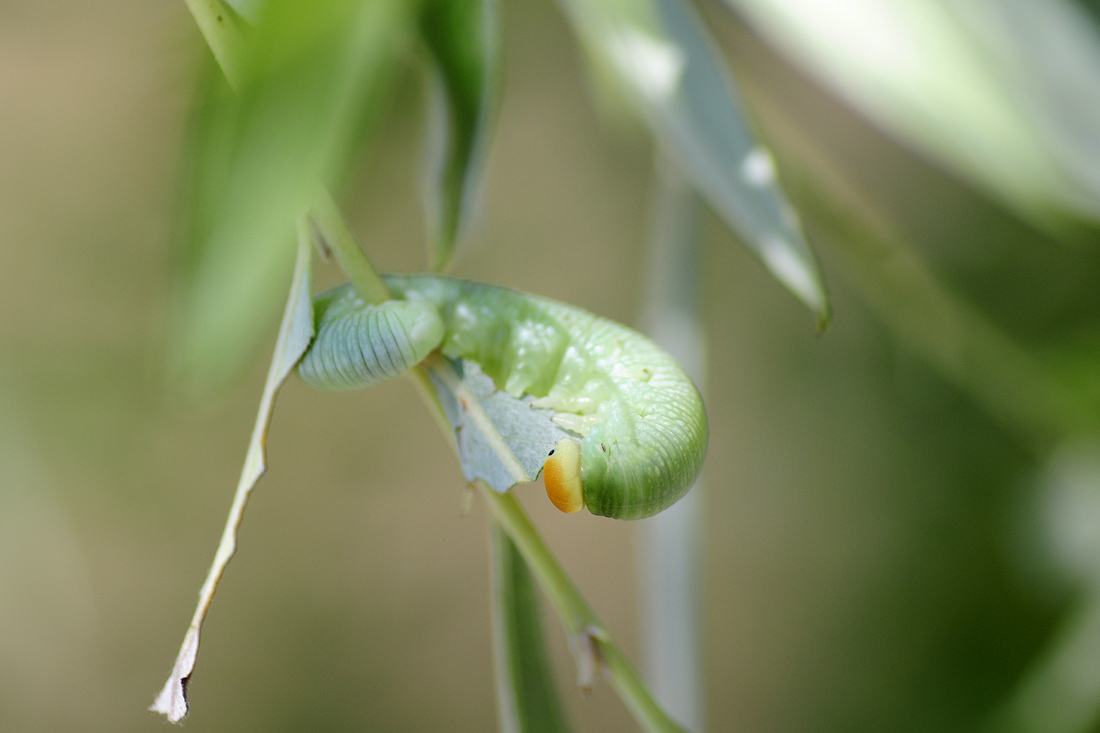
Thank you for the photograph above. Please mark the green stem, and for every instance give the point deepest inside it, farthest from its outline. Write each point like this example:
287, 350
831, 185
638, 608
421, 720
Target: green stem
329, 223
577, 616
419, 376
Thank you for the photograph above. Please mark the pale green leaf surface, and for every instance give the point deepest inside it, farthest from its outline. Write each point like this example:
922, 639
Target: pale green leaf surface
528, 700
295, 334
664, 59
501, 439
1002, 92
463, 44
1048, 56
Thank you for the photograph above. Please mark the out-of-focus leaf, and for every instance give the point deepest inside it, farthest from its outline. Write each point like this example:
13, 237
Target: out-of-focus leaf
1004, 92
501, 439
1061, 694
222, 26
247, 9
1061, 536
884, 269
527, 699
670, 544
310, 74
1048, 56
462, 38
668, 66
295, 333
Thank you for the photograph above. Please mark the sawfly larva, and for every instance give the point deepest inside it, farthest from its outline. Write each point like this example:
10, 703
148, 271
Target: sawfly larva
638, 424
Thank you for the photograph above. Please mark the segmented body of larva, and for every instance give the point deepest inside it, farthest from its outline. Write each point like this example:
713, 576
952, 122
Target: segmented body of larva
636, 416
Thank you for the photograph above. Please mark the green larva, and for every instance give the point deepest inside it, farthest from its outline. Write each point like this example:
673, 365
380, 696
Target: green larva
638, 419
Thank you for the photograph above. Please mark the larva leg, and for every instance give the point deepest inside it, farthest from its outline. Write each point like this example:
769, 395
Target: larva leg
562, 474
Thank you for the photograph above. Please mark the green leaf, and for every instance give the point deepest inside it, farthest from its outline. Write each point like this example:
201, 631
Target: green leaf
295, 334
310, 74
668, 65
884, 269
527, 697
1002, 92
501, 439
462, 39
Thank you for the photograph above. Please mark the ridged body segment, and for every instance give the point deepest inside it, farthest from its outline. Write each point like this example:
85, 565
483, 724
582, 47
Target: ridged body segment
360, 345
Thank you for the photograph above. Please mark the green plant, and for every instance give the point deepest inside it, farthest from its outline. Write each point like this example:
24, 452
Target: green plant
305, 79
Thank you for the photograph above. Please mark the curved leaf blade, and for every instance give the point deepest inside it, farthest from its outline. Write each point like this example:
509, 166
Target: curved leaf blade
462, 40
1001, 92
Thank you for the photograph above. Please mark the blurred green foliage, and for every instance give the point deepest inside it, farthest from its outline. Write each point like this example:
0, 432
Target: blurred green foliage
865, 569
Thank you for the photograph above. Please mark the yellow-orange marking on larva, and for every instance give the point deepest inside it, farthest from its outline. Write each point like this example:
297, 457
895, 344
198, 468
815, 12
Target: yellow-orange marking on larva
562, 474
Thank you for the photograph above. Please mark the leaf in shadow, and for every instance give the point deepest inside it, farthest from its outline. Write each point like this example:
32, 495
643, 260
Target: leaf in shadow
462, 40
295, 334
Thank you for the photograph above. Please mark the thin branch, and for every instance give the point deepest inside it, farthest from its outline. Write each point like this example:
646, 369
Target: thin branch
329, 224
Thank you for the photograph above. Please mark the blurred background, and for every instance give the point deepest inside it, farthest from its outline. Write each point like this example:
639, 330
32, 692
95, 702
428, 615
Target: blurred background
901, 512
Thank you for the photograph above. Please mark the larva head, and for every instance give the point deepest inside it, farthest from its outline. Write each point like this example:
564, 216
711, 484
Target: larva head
562, 475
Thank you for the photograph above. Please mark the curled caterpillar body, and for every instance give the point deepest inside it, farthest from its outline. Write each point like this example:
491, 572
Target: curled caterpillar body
639, 424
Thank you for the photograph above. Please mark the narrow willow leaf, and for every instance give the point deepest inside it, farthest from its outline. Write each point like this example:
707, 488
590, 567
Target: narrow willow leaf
311, 74
462, 39
664, 59
295, 334
526, 695
502, 440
